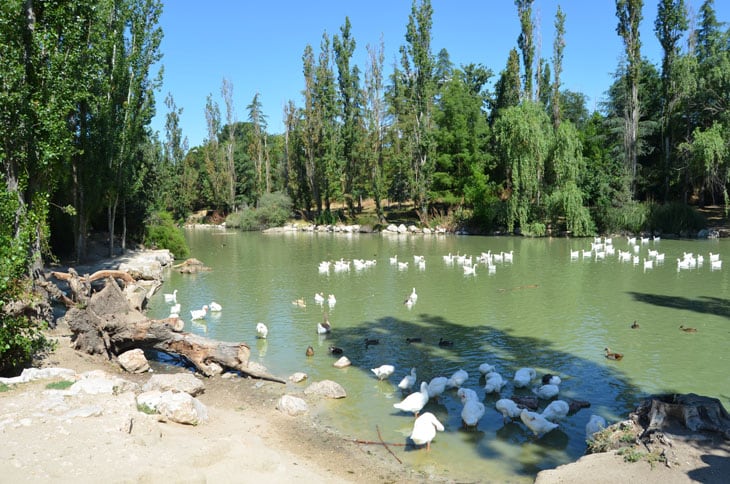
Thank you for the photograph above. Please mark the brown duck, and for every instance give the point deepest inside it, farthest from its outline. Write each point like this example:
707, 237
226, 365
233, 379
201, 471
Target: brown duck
686, 329
613, 356
635, 325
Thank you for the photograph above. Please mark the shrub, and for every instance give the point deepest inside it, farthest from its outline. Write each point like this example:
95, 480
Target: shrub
21, 337
675, 218
273, 211
632, 217
162, 233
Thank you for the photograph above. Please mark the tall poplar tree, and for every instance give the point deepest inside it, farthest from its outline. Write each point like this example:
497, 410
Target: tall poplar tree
526, 43
416, 115
629, 17
558, 47
375, 112
671, 23
350, 110
258, 150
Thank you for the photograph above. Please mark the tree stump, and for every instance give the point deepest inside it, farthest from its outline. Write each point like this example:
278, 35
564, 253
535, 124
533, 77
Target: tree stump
107, 325
695, 412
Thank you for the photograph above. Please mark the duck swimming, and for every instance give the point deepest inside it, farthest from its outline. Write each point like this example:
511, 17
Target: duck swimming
635, 325
613, 356
445, 342
336, 350
686, 329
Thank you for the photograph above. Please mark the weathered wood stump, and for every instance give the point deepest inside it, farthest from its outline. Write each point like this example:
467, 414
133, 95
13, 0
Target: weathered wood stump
107, 325
695, 412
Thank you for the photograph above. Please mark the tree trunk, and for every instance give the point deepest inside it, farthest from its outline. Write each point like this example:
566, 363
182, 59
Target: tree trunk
107, 325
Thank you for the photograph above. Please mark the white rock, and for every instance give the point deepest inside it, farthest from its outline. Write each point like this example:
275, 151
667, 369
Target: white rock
182, 408
298, 377
179, 382
343, 362
134, 361
292, 405
326, 388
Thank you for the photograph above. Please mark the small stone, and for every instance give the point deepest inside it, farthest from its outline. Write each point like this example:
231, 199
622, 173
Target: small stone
298, 377
343, 362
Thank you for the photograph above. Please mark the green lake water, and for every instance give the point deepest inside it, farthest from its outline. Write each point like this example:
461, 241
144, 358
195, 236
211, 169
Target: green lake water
543, 310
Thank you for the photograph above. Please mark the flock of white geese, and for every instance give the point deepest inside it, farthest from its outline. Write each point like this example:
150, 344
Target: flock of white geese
545, 390
603, 248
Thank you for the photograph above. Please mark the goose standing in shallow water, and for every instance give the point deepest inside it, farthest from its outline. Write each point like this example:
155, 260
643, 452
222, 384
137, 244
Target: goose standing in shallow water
414, 402
557, 410
408, 381
424, 429
196, 314
472, 411
508, 408
537, 423
383, 371
594, 425
262, 331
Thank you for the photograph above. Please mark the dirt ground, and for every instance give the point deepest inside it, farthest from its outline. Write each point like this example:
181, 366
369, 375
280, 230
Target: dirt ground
244, 440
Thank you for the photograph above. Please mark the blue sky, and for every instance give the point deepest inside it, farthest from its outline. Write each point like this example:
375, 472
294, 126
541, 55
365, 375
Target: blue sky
258, 45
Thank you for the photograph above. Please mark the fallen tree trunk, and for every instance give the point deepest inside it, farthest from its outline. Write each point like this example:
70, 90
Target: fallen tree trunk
695, 412
108, 325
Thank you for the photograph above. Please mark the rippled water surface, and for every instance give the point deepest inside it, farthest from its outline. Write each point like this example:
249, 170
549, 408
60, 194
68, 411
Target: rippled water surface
543, 310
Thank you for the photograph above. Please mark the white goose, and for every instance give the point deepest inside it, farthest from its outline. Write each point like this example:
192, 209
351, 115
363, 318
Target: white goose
414, 402
508, 408
594, 425
465, 394
470, 270
383, 371
485, 368
215, 307
408, 381
472, 412
413, 297
546, 392
262, 331
537, 423
171, 297
495, 382
557, 410
196, 314
524, 376
319, 298
331, 301
457, 379
175, 310
437, 386
424, 429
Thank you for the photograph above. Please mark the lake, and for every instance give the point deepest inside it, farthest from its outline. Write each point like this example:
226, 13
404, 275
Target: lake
544, 309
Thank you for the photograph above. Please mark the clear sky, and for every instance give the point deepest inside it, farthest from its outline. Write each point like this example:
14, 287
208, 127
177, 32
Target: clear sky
258, 45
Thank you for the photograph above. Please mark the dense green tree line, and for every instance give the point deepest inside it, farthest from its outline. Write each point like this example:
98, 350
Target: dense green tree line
508, 151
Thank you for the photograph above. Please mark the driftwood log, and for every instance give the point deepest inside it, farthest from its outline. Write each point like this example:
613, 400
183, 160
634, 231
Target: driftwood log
695, 412
107, 325
80, 286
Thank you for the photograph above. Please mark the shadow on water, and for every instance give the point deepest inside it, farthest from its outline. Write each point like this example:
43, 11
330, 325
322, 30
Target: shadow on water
703, 305
604, 387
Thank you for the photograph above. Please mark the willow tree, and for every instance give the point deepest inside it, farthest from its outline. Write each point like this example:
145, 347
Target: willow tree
629, 17
523, 136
